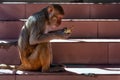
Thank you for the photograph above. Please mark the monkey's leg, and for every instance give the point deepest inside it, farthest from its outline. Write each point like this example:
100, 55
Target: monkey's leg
40, 58
45, 56
46, 59
30, 62
25, 65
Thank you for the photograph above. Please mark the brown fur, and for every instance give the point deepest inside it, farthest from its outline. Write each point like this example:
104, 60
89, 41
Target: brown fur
33, 44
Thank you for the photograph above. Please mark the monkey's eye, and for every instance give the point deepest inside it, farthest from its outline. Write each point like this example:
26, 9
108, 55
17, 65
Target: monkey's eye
59, 16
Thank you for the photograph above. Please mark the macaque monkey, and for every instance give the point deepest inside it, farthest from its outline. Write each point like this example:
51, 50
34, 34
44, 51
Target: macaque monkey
33, 43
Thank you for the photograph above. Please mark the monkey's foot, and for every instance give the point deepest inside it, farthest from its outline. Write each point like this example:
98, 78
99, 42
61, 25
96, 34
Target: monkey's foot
23, 68
57, 65
57, 68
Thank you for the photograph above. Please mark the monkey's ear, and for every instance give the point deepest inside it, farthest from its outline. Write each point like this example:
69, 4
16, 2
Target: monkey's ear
50, 9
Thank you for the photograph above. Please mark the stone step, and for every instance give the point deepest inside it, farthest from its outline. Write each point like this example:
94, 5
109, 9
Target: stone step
73, 51
82, 28
9, 11
97, 73
6, 1
74, 75
88, 1
86, 51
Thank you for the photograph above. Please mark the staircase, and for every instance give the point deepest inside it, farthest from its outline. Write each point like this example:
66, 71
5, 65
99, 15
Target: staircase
91, 53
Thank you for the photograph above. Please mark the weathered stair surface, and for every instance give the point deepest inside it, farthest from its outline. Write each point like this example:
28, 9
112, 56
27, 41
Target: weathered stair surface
87, 51
64, 77
71, 73
72, 10
91, 53
87, 1
10, 29
82, 51
38, 1
84, 29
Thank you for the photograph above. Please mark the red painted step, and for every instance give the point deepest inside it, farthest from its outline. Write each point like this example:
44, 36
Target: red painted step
7, 77
82, 28
12, 11
105, 11
89, 73
10, 29
72, 10
87, 51
74, 74
75, 51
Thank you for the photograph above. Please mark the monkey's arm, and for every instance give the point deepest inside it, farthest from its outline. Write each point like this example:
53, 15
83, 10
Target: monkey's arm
36, 38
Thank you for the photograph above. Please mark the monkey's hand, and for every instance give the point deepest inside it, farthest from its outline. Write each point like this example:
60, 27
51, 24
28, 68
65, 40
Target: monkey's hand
62, 33
67, 30
58, 31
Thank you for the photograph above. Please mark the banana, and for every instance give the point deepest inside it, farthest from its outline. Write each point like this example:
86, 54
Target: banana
68, 31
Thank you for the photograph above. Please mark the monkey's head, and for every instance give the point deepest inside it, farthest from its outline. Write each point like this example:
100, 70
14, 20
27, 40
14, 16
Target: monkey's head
55, 13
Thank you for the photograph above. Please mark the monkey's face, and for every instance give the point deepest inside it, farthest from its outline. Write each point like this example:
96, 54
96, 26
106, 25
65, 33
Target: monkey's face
55, 19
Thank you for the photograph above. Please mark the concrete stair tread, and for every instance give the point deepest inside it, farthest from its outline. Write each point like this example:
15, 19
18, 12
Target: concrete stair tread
72, 10
66, 19
73, 51
14, 2
7, 41
85, 69
74, 70
85, 40
90, 19
61, 76
81, 20
7, 71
